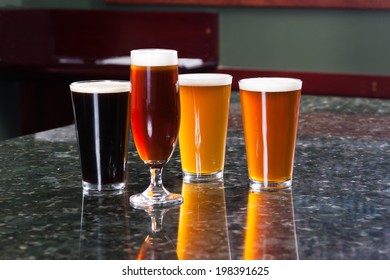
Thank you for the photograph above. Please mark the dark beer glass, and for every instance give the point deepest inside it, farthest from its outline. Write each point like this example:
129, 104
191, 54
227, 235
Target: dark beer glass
155, 118
101, 113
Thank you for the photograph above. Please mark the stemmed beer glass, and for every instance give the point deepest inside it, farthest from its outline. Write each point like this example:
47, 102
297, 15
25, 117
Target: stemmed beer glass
155, 119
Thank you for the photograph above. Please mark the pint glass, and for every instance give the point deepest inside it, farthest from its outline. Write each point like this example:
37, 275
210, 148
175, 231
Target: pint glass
204, 102
101, 113
270, 109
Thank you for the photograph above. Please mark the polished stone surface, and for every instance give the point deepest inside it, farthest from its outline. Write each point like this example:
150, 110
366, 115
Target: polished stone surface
339, 206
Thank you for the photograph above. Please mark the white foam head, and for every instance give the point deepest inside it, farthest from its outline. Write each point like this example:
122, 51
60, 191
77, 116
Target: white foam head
153, 57
270, 84
100, 86
205, 79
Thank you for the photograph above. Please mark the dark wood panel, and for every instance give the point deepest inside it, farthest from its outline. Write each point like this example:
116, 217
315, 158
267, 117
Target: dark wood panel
45, 104
45, 36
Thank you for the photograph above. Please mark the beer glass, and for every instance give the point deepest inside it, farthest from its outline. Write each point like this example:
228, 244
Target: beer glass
155, 119
204, 101
270, 109
101, 113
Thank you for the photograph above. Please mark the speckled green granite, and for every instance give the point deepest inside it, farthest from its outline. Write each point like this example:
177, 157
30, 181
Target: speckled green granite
341, 194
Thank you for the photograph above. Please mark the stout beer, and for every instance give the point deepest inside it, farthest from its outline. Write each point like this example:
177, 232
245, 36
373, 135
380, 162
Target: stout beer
101, 111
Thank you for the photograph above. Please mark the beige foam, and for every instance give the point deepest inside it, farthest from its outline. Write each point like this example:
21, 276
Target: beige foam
205, 79
153, 57
270, 84
100, 87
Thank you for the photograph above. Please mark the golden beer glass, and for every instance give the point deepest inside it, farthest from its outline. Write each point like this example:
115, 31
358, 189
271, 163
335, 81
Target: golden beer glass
204, 101
270, 108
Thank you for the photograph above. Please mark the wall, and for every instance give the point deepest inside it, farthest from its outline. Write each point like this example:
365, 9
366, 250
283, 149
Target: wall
341, 41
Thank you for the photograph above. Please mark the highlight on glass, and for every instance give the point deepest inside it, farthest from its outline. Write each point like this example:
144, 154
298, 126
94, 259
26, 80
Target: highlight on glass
270, 108
155, 119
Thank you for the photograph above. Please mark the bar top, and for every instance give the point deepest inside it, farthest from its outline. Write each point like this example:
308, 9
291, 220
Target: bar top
338, 208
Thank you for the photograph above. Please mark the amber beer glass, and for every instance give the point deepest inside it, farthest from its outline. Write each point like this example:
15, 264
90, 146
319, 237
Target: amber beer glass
204, 102
101, 113
270, 109
155, 118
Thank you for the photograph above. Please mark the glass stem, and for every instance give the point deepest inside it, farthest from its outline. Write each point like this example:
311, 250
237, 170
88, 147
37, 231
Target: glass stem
156, 177
156, 219
156, 190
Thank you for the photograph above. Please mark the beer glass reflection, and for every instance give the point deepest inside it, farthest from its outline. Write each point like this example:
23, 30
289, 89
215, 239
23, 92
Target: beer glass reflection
157, 245
104, 231
270, 116
203, 231
270, 226
155, 118
102, 125
204, 100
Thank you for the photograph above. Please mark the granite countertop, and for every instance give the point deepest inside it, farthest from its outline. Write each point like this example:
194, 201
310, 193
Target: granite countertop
338, 208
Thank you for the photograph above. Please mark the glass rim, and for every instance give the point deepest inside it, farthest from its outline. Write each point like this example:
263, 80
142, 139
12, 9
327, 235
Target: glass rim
153, 57
100, 86
205, 79
270, 84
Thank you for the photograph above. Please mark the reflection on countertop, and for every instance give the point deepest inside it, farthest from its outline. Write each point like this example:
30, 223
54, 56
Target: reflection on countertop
203, 229
270, 227
338, 207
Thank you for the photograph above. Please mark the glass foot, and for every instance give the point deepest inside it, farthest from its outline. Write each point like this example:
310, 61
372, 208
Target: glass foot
143, 201
202, 178
89, 187
156, 195
257, 186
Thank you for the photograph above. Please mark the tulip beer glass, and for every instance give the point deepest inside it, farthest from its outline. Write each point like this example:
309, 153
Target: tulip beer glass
270, 109
155, 118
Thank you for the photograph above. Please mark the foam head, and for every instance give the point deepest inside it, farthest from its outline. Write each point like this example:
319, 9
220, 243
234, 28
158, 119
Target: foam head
100, 86
205, 79
154, 57
270, 84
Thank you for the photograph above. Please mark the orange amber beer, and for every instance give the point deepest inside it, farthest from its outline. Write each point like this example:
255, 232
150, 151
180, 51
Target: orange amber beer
270, 109
204, 101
